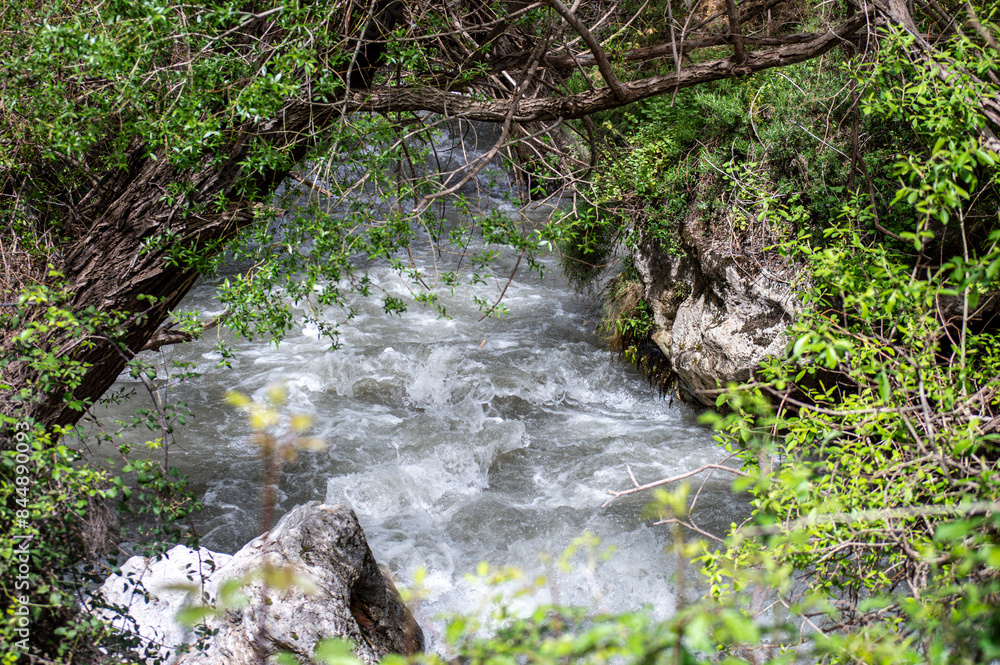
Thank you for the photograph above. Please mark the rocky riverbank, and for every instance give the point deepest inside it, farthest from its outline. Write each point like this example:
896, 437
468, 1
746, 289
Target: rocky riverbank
717, 313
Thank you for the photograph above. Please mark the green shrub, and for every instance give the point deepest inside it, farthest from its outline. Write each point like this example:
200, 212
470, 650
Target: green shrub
58, 508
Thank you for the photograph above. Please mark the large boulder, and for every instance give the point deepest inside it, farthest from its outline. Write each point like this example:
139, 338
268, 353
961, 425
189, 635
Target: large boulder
311, 577
717, 313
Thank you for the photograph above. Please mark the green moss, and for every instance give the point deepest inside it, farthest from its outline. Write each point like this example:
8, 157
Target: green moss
586, 244
627, 326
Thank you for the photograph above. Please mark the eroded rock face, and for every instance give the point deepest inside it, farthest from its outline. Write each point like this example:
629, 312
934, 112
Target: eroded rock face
717, 315
336, 590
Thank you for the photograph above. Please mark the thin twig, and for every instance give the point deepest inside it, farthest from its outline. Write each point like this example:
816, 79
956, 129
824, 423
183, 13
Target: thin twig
672, 479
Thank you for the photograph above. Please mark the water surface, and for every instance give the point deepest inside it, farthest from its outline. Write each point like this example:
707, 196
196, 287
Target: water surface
456, 441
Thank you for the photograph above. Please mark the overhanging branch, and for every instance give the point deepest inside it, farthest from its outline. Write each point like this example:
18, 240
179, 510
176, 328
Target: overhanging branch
456, 105
595, 48
686, 46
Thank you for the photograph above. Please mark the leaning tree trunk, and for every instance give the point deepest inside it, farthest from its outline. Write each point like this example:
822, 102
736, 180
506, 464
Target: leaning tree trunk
110, 268
109, 263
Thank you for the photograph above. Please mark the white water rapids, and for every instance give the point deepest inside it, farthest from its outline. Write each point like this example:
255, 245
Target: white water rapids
457, 442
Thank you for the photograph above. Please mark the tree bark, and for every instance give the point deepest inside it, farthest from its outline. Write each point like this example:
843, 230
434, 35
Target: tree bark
110, 265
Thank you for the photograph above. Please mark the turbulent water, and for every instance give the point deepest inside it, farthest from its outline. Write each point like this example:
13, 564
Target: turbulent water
457, 441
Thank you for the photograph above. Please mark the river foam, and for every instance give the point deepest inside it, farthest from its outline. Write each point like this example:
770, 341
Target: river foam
456, 441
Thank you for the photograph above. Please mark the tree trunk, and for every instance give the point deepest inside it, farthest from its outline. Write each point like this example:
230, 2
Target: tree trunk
110, 265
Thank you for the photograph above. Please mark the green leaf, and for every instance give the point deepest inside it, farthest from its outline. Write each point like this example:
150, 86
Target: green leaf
188, 616
336, 651
883, 387
951, 531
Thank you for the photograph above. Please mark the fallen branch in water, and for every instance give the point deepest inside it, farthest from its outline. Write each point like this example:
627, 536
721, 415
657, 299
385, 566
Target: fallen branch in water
666, 481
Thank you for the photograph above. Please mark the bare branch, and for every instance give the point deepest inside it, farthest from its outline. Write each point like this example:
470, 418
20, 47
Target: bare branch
666, 481
310, 184
734, 30
686, 46
602, 60
168, 334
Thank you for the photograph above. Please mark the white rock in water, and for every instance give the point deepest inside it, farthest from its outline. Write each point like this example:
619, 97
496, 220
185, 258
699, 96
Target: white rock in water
153, 590
342, 593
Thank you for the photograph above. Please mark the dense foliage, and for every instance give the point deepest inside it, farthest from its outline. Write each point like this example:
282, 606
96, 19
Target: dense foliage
872, 447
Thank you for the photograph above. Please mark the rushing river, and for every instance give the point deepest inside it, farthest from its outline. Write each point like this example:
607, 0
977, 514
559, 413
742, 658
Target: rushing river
456, 441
